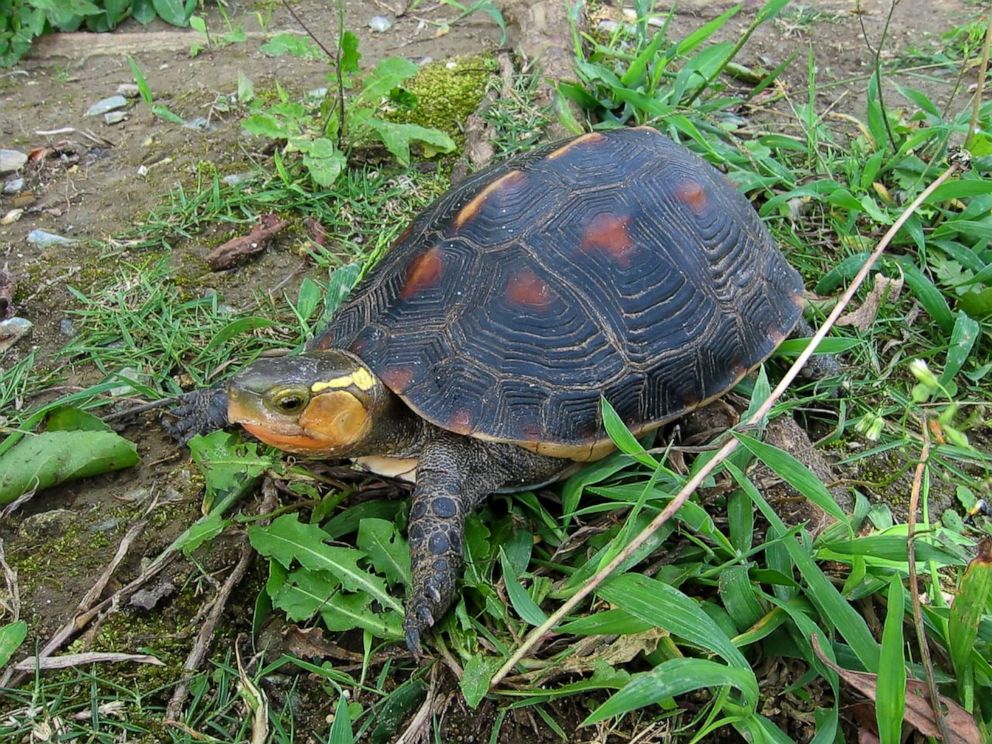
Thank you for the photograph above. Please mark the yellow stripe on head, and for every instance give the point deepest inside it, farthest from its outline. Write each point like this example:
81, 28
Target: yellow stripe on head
360, 378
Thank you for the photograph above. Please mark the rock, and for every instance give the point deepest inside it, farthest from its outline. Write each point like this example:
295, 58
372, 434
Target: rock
49, 524
380, 24
13, 330
11, 217
318, 93
107, 525
45, 239
235, 178
200, 124
66, 328
13, 186
11, 161
107, 104
114, 117
146, 599
128, 90
128, 374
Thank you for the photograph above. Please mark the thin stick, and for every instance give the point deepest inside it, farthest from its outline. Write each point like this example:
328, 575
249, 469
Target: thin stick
914, 588
977, 104
536, 635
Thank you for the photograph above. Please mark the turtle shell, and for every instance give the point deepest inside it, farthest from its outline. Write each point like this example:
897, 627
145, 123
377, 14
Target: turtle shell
615, 264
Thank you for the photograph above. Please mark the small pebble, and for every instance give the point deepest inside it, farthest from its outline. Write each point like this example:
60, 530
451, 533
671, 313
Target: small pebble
107, 104
45, 239
66, 328
11, 217
317, 93
607, 26
114, 117
128, 374
11, 161
13, 186
49, 524
235, 178
107, 525
200, 124
380, 24
128, 90
13, 330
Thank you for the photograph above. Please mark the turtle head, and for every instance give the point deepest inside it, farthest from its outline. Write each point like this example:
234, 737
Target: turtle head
321, 404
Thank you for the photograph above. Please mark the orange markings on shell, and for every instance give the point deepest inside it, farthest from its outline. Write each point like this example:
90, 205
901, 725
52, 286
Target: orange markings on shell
397, 378
692, 194
608, 233
423, 272
509, 182
460, 421
585, 138
528, 289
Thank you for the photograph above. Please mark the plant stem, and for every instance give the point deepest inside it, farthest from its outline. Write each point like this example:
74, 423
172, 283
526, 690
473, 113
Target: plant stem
977, 103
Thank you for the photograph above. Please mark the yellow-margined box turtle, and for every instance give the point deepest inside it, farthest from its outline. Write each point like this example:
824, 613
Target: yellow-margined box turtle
474, 356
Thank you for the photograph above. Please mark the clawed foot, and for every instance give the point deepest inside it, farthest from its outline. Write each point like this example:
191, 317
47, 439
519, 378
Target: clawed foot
430, 599
418, 620
197, 412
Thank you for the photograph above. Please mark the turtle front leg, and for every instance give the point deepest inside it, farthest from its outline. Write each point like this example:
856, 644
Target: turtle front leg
447, 490
454, 475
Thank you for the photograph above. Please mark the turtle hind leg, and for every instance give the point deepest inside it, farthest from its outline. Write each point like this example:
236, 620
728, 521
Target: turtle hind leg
819, 366
454, 475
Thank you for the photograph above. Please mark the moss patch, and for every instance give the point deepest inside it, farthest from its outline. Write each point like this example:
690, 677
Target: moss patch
448, 92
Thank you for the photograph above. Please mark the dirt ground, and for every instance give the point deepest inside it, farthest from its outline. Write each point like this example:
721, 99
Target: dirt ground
66, 535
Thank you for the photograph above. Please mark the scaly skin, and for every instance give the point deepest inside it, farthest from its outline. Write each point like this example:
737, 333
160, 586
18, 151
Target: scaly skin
455, 473
454, 476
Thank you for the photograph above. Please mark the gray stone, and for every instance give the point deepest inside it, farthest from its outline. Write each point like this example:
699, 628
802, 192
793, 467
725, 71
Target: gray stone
11, 161
200, 124
380, 24
107, 104
14, 186
235, 178
49, 524
45, 239
13, 330
107, 525
66, 328
114, 117
128, 90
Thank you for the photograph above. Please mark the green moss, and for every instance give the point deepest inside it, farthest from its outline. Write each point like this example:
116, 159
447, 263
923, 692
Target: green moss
447, 92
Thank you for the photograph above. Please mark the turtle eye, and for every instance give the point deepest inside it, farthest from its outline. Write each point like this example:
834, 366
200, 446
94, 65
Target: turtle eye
290, 401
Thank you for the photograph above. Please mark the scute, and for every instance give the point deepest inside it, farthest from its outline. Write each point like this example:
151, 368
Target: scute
614, 265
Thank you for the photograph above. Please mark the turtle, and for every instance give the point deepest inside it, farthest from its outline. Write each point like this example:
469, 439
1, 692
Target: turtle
475, 356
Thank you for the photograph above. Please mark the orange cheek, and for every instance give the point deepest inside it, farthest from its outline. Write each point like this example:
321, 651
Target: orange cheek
291, 443
338, 417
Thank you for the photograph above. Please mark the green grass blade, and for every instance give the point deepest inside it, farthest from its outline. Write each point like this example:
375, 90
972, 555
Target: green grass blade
829, 602
795, 474
666, 607
675, 677
522, 602
890, 703
970, 603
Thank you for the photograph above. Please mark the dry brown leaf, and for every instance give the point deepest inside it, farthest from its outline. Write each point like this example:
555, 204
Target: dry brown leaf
885, 290
7, 287
235, 250
918, 713
589, 651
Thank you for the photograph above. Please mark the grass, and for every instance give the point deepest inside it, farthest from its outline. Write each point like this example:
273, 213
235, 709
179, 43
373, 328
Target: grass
736, 614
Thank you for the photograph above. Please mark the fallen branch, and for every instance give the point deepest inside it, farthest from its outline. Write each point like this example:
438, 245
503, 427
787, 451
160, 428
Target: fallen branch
33, 663
537, 634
